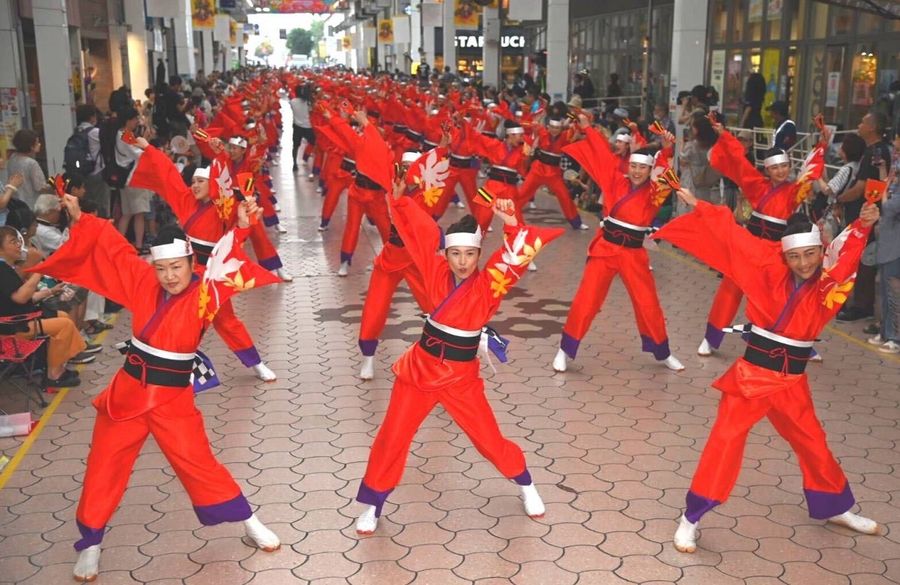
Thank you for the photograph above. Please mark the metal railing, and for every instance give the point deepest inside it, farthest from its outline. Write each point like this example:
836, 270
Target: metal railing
806, 141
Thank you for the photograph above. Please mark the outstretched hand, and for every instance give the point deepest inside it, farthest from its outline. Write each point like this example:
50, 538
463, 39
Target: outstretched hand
505, 209
869, 214
687, 197
247, 209
70, 202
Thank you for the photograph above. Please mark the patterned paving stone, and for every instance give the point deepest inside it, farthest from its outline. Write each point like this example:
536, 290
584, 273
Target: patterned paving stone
612, 445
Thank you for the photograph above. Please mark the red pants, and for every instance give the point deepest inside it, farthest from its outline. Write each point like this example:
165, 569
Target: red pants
466, 404
364, 202
336, 181
235, 335
499, 190
793, 415
382, 286
178, 429
468, 178
633, 266
557, 186
266, 254
725, 307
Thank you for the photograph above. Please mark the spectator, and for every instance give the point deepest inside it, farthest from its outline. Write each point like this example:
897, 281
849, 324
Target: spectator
613, 90
584, 86
120, 99
135, 202
48, 235
692, 102
88, 118
160, 73
887, 257
149, 103
10, 189
704, 180
661, 115
19, 296
873, 165
754, 95
785, 130
22, 161
850, 152
302, 127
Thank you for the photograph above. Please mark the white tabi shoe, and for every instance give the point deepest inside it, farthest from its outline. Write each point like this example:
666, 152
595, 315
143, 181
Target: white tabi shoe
534, 505
856, 523
584, 226
284, 275
816, 357
460, 204
560, 362
673, 364
263, 372
318, 189
88, 564
344, 270
532, 267
367, 522
532, 205
705, 349
277, 208
686, 536
280, 228
264, 538
367, 372
322, 228
310, 177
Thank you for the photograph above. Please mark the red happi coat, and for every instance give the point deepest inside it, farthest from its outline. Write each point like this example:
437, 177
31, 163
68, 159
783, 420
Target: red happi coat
98, 258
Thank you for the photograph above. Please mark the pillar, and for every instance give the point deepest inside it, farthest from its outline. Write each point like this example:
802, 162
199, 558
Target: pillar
51, 34
209, 58
449, 35
416, 52
136, 43
184, 41
688, 46
558, 49
491, 50
10, 75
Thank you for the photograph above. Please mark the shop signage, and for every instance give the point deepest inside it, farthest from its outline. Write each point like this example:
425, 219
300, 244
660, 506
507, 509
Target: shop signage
477, 41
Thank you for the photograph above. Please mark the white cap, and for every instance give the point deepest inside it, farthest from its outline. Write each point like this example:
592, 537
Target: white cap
464, 239
642, 159
410, 157
802, 240
776, 159
201, 173
175, 249
515, 130
238, 141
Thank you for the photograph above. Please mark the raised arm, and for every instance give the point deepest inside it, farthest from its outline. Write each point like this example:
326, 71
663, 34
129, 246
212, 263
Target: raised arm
156, 172
727, 157
842, 259
595, 157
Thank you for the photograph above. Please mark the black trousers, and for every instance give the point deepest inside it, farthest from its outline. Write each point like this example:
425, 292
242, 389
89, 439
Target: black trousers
299, 134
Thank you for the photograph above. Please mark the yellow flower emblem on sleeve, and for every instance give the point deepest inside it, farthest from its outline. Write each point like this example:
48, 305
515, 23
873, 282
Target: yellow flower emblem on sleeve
837, 294
224, 206
432, 195
500, 283
204, 299
238, 283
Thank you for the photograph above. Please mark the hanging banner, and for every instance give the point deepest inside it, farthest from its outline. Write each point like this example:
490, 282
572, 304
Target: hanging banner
401, 29
525, 10
223, 29
466, 14
203, 14
232, 32
346, 43
369, 36
432, 15
385, 31
717, 71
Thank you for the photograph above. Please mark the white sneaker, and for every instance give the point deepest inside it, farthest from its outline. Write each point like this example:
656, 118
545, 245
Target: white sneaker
310, 177
816, 357
367, 372
560, 362
280, 228
532, 267
673, 364
686, 536
584, 226
277, 208
284, 275
263, 372
264, 538
88, 564
856, 523
490, 228
367, 522
344, 270
705, 349
460, 204
532, 205
890, 347
323, 228
877, 340
318, 189
534, 505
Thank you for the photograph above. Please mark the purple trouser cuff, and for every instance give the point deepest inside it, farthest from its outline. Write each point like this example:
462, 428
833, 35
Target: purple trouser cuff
824, 505
273, 263
270, 220
370, 220
346, 257
697, 506
368, 346
234, 510
714, 336
367, 495
316, 170
569, 345
576, 222
523, 478
659, 350
249, 357
89, 536
325, 221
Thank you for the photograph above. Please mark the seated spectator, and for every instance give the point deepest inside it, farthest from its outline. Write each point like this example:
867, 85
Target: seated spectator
19, 296
22, 161
10, 189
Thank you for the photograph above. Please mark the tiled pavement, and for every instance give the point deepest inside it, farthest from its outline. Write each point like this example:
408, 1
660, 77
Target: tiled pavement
611, 444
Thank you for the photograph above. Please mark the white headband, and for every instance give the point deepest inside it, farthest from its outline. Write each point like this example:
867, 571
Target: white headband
410, 157
465, 239
515, 130
802, 240
776, 159
642, 159
554, 124
201, 173
250, 126
623, 137
238, 141
176, 249
434, 112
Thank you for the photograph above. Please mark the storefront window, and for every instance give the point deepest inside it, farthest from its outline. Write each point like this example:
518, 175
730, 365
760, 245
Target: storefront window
755, 10
869, 23
796, 14
816, 84
862, 93
841, 20
718, 21
775, 10
737, 21
733, 96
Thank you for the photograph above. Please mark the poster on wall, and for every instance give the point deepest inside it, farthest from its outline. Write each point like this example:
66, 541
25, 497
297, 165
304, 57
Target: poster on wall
833, 89
755, 11
203, 14
773, 9
385, 31
771, 60
10, 120
466, 14
717, 72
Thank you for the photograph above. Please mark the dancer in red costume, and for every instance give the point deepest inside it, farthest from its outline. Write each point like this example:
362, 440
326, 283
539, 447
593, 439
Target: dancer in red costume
443, 368
545, 171
773, 198
630, 204
152, 394
338, 166
792, 293
205, 223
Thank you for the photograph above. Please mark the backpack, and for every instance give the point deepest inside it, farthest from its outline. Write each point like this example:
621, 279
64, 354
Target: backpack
77, 153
